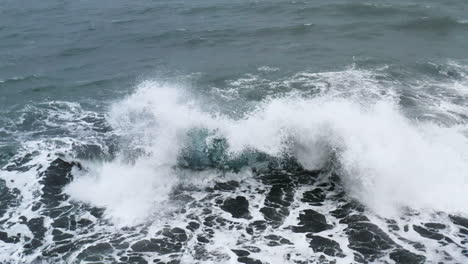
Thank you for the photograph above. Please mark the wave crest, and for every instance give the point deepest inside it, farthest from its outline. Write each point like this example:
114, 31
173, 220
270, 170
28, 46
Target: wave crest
385, 159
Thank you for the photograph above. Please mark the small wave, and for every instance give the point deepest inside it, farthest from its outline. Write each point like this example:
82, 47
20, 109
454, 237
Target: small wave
17, 79
367, 9
122, 21
431, 24
291, 29
77, 51
203, 10
363, 10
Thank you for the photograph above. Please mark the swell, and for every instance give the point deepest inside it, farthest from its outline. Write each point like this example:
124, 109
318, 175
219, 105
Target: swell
363, 10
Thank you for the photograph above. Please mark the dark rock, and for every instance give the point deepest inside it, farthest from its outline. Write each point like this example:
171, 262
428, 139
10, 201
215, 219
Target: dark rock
259, 225
93, 259
311, 221
347, 209
252, 249
249, 260
61, 236
33, 244
54, 179
7, 198
62, 222
279, 197
416, 245
62, 249
167, 246
4, 237
120, 244
8, 239
84, 222
136, 260
279, 239
275, 215
97, 212
464, 231
405, 256
36, 206
238, 207
354, 219
57, 174
458, 220
368, 239
427, 233
192, 226
36, 225
176, 233
226, 186
59, 211
19, 164
145, 246
209, 221
325, 245
285, 241
434, 225
273, 237
203, 239
394, 227
273, 243
314, 197
99, 249
222, 221
240, 252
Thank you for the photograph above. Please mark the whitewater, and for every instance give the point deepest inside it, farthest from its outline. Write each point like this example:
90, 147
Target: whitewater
301, 174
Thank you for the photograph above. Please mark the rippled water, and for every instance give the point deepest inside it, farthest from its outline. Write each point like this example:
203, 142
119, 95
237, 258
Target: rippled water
233, 131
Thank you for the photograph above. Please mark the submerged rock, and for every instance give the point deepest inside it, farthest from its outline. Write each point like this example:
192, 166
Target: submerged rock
240, 252
427, 233
325, 245
314, 197
248, 260
311, 221
458, 220
162, 246
237, 207
279, 197
405, 256
57, 175
368, 239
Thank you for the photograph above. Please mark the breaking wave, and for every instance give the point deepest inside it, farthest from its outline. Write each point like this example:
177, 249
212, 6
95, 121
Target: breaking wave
387, 160
287, 169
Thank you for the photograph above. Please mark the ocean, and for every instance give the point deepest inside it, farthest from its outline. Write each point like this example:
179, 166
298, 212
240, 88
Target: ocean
281, 131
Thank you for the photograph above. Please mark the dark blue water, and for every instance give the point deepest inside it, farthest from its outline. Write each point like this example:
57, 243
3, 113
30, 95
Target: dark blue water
233, 131
88, 50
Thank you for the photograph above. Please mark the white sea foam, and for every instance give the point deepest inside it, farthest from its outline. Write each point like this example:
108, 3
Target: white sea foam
387, 160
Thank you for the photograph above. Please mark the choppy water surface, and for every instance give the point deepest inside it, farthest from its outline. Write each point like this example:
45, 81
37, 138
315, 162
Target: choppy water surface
234, 131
